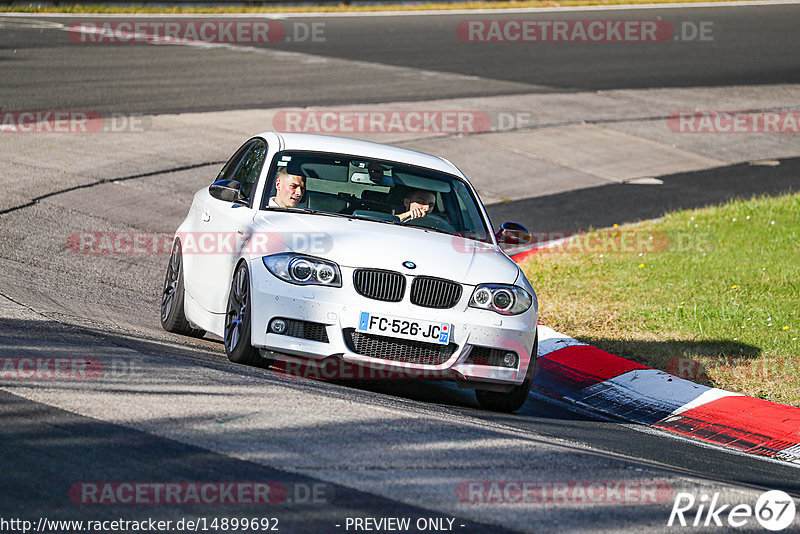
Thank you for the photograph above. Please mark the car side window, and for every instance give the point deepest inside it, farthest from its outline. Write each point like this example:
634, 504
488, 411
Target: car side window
250, 167
245, 165
232, 165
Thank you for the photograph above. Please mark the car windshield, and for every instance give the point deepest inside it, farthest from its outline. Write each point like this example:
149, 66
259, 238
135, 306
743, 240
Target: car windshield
376, 190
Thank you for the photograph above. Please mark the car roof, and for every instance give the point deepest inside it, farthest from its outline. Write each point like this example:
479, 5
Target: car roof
365, 149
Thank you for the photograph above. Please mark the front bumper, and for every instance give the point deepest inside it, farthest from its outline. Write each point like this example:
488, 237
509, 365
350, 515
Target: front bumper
339, 309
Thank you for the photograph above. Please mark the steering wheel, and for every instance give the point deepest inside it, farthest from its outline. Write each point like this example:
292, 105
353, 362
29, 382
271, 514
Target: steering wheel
433, 221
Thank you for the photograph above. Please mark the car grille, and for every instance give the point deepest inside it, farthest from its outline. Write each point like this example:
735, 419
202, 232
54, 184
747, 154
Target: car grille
398, 350
435, 292
306, 330
388, 286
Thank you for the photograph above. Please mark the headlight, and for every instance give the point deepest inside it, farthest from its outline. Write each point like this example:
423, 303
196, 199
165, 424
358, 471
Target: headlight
501, 298
303, 270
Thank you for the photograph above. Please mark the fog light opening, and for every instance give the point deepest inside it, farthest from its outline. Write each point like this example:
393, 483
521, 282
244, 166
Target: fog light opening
277, 326
510, 359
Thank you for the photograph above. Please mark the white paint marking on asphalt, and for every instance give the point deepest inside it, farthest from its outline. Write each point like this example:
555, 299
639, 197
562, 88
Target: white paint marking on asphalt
22, 24
297, 57
645, 180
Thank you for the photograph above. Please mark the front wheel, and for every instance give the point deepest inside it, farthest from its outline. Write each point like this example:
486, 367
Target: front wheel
173, 318
513, 400
237, 320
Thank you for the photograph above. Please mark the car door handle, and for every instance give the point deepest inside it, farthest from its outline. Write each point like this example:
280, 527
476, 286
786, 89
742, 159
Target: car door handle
206, 216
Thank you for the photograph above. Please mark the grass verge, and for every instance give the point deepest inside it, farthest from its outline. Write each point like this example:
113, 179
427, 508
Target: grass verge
711, 295
342, 7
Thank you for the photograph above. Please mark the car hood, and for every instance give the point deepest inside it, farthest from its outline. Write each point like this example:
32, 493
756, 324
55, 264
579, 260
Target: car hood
359, 243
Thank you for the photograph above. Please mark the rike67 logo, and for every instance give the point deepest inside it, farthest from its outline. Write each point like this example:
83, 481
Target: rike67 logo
774, 511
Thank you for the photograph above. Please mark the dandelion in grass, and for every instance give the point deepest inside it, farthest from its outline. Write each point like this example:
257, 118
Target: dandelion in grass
641, 265
786, 328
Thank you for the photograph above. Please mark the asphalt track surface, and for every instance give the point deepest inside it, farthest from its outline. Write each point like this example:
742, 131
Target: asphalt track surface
45, 448
604, 206
44, 69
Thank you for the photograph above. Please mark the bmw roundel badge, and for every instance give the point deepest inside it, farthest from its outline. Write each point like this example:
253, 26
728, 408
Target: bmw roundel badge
409, 265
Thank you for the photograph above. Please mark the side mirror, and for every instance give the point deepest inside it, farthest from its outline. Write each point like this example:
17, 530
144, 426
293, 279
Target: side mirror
228, 191
511, 235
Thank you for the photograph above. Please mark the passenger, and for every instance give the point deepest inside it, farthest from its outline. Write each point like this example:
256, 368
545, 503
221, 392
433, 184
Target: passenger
289, 189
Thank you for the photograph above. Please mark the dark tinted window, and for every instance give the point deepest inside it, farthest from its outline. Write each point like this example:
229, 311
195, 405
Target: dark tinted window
245, 166
250, 168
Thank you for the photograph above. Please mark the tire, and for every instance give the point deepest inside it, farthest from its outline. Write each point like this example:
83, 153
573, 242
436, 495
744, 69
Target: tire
513, 400
237, 320
173, 318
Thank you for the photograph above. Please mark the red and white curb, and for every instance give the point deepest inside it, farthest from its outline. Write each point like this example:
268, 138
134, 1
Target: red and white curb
600, 382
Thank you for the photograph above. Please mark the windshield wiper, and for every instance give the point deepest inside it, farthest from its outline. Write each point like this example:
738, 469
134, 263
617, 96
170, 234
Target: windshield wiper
406, 225
307, 210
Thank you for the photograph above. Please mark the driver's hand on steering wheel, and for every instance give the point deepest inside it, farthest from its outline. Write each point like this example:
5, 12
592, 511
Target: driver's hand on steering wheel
415, 212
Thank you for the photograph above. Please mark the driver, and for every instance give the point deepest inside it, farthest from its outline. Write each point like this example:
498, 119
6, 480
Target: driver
289, 189
418, 203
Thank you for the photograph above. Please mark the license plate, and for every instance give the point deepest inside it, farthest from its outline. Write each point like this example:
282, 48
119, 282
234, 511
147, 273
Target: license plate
386, 325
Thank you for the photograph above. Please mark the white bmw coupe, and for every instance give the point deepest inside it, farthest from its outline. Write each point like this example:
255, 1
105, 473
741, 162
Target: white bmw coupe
319, 247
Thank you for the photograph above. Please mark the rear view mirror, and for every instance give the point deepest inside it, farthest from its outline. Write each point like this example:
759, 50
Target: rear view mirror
513, 235
227, 191
371, 179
